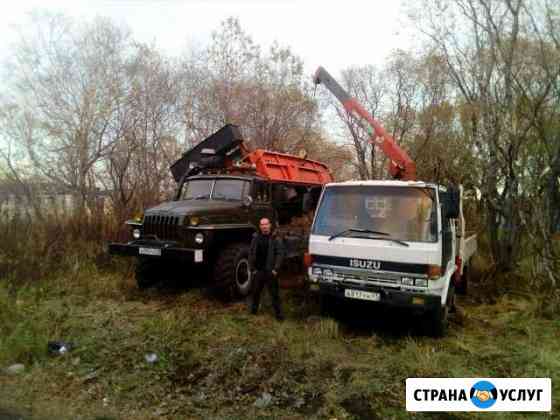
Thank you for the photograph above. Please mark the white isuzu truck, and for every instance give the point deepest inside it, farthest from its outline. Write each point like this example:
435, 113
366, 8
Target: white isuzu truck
398, 243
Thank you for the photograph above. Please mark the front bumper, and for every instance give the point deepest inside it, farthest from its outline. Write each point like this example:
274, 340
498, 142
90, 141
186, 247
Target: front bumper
157, 249
388, 297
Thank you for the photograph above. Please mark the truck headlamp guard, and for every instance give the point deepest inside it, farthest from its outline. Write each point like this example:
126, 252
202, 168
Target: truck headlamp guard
421, 282
408, 281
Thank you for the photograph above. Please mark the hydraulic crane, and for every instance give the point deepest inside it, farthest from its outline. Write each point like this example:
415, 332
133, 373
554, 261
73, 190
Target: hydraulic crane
399, 243
401, 166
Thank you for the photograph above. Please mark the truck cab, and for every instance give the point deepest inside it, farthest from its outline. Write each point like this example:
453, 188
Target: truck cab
223, 191
395, 243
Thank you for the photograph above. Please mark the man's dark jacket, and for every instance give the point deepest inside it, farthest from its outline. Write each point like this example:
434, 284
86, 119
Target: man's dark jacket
275, 254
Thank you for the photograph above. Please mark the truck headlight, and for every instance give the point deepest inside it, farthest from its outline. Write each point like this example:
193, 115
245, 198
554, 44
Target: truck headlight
328, 274
409, 281
136, 233
421, 282
199, 238
315, 274
194, 220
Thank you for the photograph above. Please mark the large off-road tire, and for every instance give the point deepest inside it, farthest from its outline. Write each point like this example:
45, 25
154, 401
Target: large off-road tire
436, 321
146, 273
463, 285
232, 278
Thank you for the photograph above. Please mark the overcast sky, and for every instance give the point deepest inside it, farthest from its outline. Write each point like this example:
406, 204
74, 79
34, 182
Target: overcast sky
334, 34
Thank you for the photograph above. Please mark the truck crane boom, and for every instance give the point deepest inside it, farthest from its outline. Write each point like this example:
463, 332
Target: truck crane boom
401, 166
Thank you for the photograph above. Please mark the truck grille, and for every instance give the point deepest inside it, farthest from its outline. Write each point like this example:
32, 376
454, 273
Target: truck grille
348, 278
383, 280
164, 227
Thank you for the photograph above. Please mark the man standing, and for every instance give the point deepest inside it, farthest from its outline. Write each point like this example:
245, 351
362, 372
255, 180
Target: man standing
265, 260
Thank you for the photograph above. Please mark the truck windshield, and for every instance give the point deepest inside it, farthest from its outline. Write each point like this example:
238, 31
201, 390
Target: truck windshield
403, 213
230, 189
197, 189
219, 189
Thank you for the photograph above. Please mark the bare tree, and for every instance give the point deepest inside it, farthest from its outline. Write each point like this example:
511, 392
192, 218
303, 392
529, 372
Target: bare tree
156, 123
14, 131
234, 81
482, 60
69, 80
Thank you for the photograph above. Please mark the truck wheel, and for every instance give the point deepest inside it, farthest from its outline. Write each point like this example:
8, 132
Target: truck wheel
326, 304
463, 285
145, 273
435, 322
231, 273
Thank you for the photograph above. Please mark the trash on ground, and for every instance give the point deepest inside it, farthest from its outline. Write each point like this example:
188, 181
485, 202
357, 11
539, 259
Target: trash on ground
264, 400
90, 376
57, 348
151, 358
15, 369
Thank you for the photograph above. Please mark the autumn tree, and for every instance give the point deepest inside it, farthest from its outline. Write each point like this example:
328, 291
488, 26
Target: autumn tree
266, 93
68, 86
501, 63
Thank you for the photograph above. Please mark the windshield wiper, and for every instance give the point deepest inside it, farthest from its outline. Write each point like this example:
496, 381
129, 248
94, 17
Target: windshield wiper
384, 235
355, 230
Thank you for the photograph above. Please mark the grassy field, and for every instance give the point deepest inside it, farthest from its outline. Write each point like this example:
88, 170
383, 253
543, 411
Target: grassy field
216, 361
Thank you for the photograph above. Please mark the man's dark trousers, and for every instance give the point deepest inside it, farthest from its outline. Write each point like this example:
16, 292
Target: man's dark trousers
266, 278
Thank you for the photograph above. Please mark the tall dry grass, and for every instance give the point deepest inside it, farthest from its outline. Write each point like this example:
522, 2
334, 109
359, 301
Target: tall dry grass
31, 250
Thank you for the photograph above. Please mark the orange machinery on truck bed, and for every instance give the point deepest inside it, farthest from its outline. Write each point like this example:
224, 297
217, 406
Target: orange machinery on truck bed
226, 152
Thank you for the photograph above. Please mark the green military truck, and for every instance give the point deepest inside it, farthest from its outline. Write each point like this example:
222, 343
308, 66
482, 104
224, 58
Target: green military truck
223, 190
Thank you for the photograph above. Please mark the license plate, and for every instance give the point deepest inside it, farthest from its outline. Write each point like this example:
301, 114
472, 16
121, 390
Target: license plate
360, 294
156, 252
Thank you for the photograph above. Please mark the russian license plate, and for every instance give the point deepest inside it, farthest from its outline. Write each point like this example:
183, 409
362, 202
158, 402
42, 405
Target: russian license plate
156, 252
360, 294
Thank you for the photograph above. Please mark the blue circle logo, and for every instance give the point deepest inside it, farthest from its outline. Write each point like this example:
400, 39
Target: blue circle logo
484, 394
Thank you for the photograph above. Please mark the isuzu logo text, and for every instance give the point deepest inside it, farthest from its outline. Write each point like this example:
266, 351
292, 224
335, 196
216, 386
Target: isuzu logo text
367, 264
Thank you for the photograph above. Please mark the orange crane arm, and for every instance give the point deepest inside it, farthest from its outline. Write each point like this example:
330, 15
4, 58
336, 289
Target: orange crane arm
401, 165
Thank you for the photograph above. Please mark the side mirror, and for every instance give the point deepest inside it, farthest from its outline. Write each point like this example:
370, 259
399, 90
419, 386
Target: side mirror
247, 201
308, 202
451, 203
